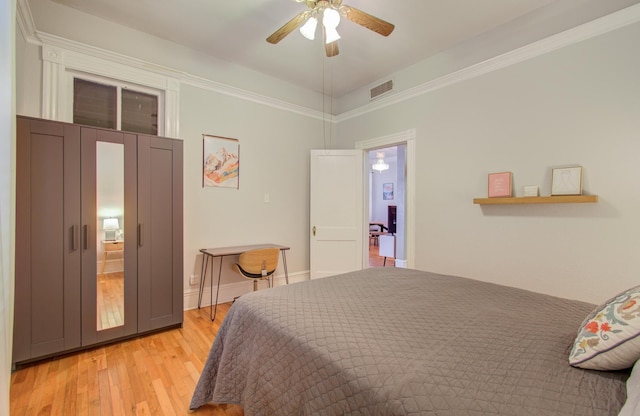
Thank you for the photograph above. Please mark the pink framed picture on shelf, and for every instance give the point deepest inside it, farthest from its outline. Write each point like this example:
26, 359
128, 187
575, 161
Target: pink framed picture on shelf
500, 185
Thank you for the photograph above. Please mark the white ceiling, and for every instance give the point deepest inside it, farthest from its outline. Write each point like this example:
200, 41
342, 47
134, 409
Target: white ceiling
235, 31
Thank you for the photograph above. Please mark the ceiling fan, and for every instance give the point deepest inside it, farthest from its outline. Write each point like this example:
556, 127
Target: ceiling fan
328, 12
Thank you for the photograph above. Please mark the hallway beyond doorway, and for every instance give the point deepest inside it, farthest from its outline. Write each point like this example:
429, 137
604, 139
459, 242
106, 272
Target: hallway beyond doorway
375, 260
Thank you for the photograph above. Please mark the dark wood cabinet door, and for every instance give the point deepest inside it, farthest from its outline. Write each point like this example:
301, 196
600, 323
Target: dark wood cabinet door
57, 236
47, 276
160, 230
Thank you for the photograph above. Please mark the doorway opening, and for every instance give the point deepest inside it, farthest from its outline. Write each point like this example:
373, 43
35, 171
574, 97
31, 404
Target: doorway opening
387, 203
404, 188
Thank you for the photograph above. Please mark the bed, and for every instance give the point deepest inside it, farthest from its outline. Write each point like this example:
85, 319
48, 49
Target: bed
391, 341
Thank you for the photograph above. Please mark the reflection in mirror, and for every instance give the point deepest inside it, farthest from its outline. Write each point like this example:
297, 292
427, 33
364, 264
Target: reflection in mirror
110, 240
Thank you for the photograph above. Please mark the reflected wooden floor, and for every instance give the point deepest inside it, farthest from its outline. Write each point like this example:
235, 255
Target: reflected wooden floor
110, 300
151, 375
375, 260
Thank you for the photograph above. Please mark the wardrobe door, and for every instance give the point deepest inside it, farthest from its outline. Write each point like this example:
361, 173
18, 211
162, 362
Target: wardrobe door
109, 217
47, 269
160, 281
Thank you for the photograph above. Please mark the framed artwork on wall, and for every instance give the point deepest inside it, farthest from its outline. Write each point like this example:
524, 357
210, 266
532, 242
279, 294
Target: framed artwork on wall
221, 162
387, 191
566, 181
500, 185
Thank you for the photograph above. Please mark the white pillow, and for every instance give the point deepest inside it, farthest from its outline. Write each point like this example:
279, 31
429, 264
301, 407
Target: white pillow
609, 338
632, 405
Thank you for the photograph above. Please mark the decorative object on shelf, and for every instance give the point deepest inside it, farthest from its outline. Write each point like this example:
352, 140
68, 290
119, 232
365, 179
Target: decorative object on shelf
380, 165
566, 181
499, 184
221, 162
110, 227
531, 190
387, 191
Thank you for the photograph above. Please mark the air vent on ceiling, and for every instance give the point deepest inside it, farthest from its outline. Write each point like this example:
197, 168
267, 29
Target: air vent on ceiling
381, 89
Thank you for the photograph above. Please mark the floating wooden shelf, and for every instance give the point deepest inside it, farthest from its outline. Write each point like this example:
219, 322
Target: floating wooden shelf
559, 199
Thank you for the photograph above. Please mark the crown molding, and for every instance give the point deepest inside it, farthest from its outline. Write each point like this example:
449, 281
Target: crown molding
246, 95
183, 77
616, 20
25, 23
609, 23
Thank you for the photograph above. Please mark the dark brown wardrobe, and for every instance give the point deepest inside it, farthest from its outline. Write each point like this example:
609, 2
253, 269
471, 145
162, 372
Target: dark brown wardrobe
64, 191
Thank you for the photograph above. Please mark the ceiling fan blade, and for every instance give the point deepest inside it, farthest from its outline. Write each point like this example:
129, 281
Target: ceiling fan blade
289, 27
331, 49
368, 21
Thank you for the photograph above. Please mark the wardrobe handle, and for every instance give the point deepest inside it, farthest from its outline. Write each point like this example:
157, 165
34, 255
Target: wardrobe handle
140, 233
85, 236
74, 237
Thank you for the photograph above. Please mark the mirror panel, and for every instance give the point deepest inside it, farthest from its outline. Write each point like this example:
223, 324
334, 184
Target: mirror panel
110, 236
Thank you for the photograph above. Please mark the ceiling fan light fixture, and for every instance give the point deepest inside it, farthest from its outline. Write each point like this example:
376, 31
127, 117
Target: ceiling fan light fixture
332, 35
308, 30
330, 21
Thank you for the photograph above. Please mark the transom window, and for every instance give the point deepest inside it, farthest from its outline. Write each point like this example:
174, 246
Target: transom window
122, 107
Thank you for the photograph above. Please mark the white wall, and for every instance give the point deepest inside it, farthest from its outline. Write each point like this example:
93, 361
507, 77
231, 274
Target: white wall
378, 179
579, 104
574, 105
7, 196
275, 138
274, 160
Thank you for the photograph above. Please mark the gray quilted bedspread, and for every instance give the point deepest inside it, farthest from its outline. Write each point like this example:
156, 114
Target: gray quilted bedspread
391, 341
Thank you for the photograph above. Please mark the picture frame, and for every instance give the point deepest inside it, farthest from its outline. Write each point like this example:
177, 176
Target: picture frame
566, 181
387, 191
500, 185
220, 162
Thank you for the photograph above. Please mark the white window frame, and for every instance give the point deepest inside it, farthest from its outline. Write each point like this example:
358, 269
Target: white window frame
60, 65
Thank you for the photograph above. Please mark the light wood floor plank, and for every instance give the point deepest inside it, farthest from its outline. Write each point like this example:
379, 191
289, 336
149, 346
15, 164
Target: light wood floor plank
151, 375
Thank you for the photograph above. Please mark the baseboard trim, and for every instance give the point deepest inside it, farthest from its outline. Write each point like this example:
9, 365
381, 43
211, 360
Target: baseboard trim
229, 291
401, 263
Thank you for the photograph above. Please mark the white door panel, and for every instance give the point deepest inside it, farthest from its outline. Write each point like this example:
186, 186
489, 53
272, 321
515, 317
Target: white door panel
336, 212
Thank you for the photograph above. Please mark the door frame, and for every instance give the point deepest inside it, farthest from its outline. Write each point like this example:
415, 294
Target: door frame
407, 138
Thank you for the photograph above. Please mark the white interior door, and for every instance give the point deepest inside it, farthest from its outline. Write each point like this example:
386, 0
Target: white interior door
336, 212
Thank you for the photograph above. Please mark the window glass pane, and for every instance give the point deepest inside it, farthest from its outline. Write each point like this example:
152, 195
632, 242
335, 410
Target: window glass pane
139, 112
94, 104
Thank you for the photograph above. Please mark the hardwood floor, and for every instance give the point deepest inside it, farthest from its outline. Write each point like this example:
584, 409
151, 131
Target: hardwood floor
152, 375
375, 260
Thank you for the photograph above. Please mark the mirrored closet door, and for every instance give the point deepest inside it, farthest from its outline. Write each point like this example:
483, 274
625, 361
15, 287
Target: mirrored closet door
109, 211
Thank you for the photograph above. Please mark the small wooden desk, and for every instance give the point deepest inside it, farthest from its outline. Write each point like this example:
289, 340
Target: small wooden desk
110, 246
208, 254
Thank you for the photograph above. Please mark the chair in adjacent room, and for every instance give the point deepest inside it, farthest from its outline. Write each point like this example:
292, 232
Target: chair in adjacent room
258, 264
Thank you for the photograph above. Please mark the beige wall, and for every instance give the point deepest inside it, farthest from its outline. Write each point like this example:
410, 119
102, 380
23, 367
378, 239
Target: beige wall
274, 154
576, 105
274, 160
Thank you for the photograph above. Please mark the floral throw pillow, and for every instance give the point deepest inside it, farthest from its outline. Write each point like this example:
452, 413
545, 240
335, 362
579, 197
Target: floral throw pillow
609, 338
